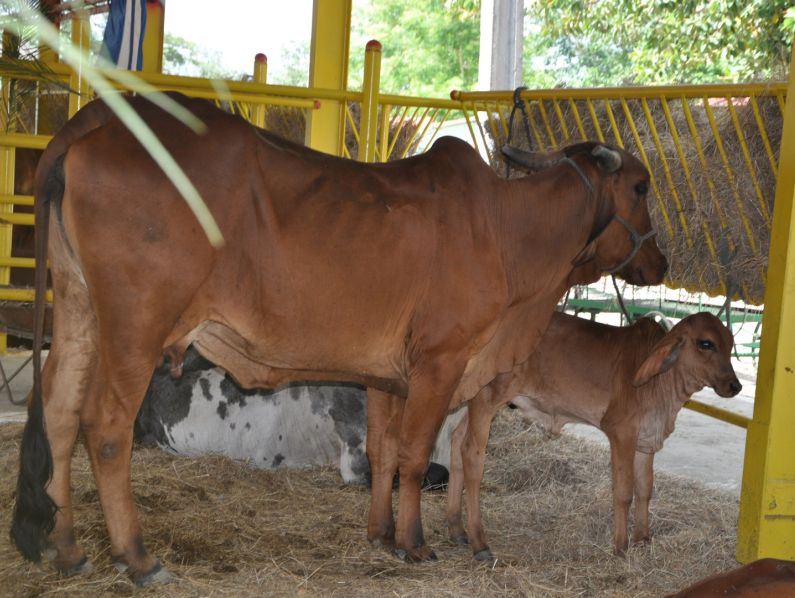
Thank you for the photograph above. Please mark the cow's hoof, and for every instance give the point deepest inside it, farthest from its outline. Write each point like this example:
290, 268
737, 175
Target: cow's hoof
84, 567
416, 555
156, 575
483, 555
387, 544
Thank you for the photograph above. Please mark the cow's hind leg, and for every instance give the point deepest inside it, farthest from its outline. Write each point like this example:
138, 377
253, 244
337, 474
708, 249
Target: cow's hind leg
384, 412
43, 521
107, 425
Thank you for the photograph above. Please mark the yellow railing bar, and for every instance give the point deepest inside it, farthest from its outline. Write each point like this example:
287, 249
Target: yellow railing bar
17, 200
468, 120
634, 130
614, 125
693, 193
25, 219
722, 414
383, 138
599, 134
24, 140
746, 154
553, 141
696, 136
730, 175
629, 93
400, 126
578, 120
561, 119
667, 170
24, 294
439, 124
17, 262
760, 125
533, 126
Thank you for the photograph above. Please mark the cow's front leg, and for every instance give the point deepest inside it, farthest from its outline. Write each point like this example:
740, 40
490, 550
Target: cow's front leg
644, 483
384, 412
430, 389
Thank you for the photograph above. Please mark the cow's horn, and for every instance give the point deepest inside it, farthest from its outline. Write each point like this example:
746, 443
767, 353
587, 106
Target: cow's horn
532, 160
609, 159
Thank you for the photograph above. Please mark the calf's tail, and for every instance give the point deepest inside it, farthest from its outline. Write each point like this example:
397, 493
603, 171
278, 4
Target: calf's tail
34, 511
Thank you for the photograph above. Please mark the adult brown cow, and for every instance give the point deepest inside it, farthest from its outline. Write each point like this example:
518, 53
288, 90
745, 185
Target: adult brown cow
397, 276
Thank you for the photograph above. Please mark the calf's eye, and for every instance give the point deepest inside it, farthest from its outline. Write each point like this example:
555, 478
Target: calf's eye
641, 188
705, 345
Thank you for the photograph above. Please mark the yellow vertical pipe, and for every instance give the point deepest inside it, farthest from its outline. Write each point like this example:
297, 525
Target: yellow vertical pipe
368, 120
328, 68
153, 38
766, 526
7, 156
81, 38
260, 76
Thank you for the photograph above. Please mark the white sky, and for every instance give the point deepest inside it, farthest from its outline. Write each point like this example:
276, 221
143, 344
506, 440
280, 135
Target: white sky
239, 29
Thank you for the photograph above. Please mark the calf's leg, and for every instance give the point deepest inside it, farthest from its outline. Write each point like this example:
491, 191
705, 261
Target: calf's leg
481, 413
644, 484
455, 484
622, 451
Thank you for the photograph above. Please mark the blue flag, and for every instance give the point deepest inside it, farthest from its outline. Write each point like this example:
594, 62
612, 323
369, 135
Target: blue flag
124, 34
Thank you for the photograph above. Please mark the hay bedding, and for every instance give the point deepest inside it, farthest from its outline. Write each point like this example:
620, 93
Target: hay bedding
228, 529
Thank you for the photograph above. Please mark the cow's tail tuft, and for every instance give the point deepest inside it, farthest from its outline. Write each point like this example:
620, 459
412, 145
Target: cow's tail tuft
34, 511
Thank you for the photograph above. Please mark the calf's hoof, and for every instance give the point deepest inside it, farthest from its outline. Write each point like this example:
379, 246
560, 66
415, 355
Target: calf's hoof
460, 539
484, 555
157, 575
416, 555
384, 542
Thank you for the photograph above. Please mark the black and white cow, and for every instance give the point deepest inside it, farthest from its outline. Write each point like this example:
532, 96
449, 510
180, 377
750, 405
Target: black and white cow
205, 412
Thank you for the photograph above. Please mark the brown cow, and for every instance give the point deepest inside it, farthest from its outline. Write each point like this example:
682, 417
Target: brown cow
408, 276
629, 382
765, 578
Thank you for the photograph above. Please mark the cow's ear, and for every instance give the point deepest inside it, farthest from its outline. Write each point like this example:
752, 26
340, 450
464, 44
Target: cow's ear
662, 358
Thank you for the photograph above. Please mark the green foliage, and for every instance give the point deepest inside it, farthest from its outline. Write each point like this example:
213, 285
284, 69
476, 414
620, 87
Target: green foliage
614, 42
429, 47
184, 57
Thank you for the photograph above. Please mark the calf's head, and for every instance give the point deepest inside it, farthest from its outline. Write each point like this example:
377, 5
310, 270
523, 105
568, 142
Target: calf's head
700, 348
622, 241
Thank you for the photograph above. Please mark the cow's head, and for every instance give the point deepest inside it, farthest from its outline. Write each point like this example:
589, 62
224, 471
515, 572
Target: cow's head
622, 238
700, 348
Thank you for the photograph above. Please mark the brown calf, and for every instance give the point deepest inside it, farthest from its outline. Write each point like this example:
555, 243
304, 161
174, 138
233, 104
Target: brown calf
628, 382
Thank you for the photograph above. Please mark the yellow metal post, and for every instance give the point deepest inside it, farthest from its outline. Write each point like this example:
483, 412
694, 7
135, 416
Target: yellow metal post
7, 156
153, 38
81, 37
766, 526
328, 68
368, 120
260, 76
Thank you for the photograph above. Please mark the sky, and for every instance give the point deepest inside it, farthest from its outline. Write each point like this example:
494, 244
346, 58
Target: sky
239, 29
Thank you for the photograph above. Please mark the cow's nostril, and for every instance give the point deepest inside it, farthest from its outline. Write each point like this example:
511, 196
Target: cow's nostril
735, 387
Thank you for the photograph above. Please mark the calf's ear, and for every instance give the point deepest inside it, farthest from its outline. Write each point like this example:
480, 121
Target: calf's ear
661, 359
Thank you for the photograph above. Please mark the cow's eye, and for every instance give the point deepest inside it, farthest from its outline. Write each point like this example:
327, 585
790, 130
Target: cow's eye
706, 345
641, 188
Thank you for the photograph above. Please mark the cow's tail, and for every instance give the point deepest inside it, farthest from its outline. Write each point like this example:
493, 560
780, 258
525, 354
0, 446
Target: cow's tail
34, 511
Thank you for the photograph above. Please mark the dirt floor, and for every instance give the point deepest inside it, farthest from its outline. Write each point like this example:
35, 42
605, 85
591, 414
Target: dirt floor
227, 529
